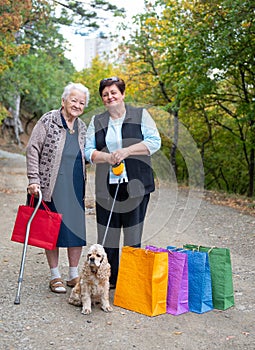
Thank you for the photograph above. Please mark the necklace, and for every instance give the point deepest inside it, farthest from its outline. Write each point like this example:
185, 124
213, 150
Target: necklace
71, 131
65, 124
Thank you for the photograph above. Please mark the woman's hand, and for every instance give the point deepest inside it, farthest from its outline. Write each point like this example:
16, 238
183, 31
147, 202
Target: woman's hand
119, 155
102, 157
138, 149
32, 189
110, 159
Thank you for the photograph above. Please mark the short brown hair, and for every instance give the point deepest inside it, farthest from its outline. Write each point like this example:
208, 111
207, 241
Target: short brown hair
110, 81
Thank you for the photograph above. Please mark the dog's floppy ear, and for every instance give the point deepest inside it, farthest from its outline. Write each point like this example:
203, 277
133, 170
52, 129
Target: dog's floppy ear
104, 259
104, 270
86, 268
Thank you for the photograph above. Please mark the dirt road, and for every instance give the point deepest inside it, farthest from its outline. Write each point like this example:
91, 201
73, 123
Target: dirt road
45, 320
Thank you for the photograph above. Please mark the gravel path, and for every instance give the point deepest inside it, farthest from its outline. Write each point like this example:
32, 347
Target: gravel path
44, 320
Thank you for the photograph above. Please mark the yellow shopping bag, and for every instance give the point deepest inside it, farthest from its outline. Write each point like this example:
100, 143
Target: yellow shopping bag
142, 281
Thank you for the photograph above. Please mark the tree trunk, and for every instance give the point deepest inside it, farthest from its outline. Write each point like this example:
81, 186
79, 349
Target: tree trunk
251, 174
175, 142
14, 121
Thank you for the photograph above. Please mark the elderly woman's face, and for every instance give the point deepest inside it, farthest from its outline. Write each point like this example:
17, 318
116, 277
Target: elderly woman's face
74, 104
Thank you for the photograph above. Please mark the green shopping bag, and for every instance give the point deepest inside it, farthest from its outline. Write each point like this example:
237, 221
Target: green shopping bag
221, 275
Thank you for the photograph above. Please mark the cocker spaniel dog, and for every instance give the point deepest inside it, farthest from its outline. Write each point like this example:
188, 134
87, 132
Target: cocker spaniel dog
93, 285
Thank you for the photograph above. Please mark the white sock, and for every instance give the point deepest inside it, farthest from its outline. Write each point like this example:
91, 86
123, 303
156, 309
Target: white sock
54, 273
73, 272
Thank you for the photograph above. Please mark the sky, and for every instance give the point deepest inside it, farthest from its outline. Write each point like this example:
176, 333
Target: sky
76, 41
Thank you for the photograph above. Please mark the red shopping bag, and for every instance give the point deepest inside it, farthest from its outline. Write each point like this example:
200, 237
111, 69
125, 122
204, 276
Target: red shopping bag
44, 227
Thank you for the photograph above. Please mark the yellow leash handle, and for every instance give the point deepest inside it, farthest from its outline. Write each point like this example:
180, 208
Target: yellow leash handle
118, 168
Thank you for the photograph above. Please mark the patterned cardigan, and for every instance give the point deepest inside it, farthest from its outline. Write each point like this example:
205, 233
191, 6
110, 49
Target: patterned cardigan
44, 151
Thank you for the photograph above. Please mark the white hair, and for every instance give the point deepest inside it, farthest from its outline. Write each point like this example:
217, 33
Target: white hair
76, 86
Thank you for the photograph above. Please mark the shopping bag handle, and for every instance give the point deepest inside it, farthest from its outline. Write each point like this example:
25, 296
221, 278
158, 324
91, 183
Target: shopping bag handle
31, 203
209, 251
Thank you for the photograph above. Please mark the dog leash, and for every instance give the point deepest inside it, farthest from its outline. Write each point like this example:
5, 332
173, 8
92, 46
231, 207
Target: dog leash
110, 215
117, 170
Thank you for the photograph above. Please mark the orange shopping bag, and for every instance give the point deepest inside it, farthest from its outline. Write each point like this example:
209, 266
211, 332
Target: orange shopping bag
142, 281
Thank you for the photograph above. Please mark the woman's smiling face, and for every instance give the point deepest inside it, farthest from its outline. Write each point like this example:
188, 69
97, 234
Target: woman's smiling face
111, 96
73, 106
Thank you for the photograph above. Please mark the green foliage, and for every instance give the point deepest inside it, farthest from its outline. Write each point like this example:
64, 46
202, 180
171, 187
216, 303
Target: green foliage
40, 76
85, 15
40, 81
3, 113
13, 15
199, 59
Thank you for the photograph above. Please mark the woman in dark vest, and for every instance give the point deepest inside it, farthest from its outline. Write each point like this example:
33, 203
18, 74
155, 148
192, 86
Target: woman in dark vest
129, 135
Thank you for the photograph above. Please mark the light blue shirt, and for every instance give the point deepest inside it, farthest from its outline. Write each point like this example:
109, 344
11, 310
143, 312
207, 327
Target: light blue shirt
113, 140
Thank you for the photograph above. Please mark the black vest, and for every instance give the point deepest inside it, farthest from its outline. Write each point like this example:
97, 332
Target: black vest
139, 171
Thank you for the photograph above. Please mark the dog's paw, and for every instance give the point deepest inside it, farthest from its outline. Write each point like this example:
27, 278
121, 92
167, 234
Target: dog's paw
86, 311
75, 300
107, 308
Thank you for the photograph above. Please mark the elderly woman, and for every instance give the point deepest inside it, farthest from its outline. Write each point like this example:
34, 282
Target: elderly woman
121, 134
56, 165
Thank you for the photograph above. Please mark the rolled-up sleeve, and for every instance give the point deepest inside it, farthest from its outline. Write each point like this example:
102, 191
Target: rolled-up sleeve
152, 139
90, 145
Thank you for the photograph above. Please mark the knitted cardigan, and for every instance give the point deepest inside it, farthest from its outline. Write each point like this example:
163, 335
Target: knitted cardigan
44, 151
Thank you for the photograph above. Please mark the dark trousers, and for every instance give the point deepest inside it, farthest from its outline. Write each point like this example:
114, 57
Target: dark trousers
128, 214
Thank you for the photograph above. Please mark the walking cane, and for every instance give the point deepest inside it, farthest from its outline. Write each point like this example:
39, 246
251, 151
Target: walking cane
20, 279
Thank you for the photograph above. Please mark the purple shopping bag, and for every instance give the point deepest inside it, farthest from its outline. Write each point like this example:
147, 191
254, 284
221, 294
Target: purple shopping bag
177, 291
200, 286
